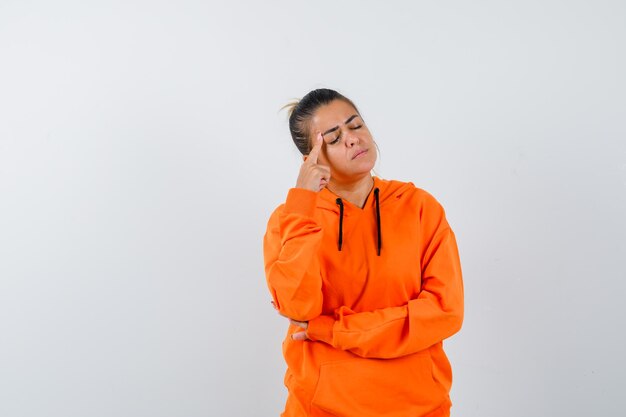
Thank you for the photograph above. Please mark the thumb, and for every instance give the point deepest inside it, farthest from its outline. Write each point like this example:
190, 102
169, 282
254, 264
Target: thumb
299, 336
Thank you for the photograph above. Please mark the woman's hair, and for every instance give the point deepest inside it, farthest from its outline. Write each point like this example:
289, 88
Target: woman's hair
301, 112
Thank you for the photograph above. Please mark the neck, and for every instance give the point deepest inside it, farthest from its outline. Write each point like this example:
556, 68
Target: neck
355, 192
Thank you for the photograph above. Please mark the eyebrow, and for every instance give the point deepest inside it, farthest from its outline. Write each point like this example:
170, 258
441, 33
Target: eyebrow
337, 127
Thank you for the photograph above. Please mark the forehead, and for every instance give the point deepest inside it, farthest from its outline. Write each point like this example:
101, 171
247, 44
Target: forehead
332, 114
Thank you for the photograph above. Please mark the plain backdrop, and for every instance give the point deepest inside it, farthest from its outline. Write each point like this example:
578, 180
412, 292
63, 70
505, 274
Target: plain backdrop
142, 149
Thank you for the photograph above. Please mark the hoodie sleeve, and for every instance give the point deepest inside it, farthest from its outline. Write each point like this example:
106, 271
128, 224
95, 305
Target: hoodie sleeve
434, 315
290, 249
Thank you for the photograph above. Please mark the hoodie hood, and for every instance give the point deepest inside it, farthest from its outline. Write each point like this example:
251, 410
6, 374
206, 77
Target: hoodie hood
382, 194
389, 192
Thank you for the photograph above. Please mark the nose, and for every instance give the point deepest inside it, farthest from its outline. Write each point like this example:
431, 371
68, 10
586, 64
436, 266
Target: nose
351, 139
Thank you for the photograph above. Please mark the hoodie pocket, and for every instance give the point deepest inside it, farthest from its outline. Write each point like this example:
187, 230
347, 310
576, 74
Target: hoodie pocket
379, 387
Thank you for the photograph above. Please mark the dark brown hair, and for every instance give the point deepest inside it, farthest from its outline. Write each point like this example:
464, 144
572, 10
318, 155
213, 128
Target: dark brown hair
301, 112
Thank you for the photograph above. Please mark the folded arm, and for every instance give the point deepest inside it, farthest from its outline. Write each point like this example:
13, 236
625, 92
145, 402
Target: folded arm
435, 314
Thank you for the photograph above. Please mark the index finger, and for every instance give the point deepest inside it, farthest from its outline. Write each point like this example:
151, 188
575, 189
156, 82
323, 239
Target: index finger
316, 149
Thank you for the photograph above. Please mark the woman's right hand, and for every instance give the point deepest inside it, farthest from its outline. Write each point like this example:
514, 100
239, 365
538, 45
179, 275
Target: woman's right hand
313, 176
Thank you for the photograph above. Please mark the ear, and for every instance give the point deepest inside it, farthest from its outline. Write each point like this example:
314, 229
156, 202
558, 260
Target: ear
304, 157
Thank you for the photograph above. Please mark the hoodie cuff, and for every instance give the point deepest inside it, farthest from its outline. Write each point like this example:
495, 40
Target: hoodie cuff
321, 329
301, 201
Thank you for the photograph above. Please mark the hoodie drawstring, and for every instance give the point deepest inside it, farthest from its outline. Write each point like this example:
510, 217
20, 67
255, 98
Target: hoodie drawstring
380, 235
379, 240
340, 241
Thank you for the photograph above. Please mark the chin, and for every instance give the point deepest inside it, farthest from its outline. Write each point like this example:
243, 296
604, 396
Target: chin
364, 169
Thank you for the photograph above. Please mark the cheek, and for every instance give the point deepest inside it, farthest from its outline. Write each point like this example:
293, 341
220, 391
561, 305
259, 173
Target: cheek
329, 157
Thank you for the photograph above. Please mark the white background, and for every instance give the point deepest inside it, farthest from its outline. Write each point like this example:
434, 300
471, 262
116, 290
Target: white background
142, 150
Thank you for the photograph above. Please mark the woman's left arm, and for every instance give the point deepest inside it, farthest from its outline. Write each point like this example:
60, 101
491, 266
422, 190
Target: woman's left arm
436, 313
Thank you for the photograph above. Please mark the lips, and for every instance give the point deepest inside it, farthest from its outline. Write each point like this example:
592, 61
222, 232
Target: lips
359, 153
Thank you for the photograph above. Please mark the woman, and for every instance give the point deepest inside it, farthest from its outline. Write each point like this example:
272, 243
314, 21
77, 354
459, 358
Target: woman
367, 270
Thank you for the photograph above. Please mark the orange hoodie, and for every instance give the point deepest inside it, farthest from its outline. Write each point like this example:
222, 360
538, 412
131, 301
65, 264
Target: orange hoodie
381, 288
